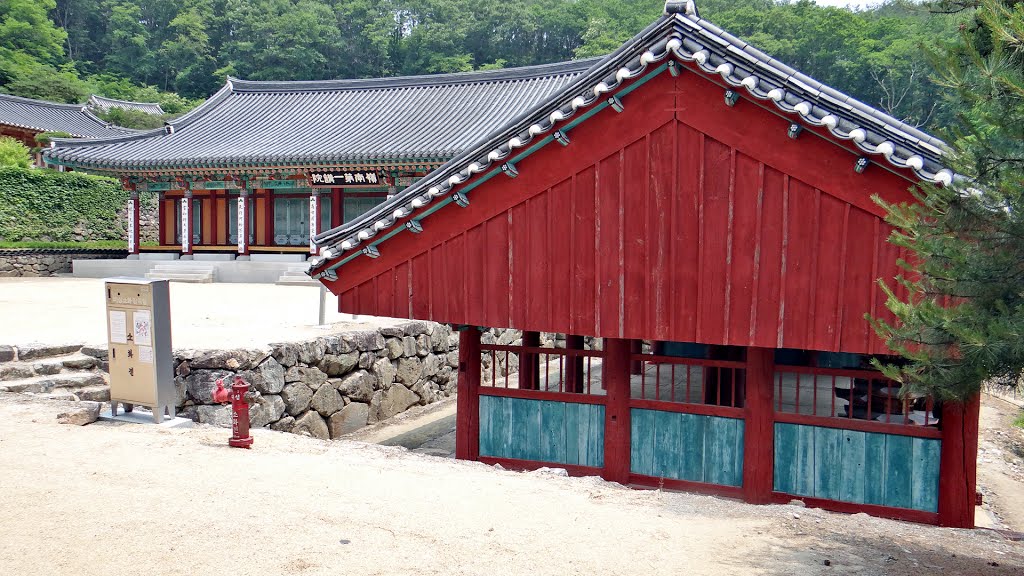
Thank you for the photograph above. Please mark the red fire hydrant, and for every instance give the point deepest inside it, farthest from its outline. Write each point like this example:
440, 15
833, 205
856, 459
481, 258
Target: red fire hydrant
238, 396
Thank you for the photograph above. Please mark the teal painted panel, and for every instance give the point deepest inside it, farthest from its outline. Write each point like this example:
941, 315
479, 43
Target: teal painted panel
595, 455
692, 430
858, 467
899, 453
641, 453
786, 439
723, 451
487, 421
874, 468
827, 462
687, 447
925, 474
804, 461
851, 481
668, 446
572, 434
541, 430
552, 438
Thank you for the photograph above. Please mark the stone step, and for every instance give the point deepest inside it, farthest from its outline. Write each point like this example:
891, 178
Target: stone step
296, 276
35, 351
47, 384
21, 369
197, 278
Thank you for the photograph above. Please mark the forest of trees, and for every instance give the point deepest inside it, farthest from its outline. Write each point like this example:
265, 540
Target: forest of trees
179, 51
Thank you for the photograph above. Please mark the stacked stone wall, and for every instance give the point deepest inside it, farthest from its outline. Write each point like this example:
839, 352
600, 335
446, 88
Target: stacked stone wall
39, 262
329, 386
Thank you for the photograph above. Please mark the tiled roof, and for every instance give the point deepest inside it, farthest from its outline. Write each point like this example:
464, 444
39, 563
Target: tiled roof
679, 36
338, 121
103, 104
42, 116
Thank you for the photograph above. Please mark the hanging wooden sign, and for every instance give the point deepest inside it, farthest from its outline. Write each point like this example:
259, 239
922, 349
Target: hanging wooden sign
346, 178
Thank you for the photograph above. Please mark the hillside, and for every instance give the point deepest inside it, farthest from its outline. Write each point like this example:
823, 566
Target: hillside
179, 52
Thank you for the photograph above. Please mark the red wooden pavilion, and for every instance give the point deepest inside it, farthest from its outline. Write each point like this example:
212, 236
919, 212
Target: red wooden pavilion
697, 219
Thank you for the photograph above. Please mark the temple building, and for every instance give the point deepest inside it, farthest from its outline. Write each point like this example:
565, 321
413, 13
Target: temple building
24, 118
694, 220
101, 104
261, 167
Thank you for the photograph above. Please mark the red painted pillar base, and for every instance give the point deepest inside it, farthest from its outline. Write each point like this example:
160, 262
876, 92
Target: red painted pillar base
958, 464
759, 427
574, 381
615, 372
467, 420
529, 363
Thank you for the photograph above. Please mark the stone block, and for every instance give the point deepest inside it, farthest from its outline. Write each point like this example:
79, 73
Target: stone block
267, 378
395, 400
297, 397
327, 401
384, 371
349, 419
338, 364
201, 384
311, 424
34, 351
308, 375
6, 353
357, 386
409, 370
82, 414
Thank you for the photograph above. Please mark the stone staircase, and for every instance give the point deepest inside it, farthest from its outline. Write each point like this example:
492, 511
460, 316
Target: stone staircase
70, 372
296, 275
183, 271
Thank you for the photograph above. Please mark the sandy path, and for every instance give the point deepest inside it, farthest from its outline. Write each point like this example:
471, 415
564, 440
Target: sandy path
132, 499
1001, 462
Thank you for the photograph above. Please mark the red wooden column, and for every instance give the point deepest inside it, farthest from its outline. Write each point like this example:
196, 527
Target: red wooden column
529, 364
615, 373
958, 463
759, 427
574, 381
467, 426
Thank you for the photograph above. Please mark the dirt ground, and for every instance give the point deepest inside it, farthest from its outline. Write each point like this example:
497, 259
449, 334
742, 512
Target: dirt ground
138, 499
1001, 463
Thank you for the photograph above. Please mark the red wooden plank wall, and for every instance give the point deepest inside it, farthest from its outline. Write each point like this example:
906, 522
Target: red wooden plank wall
678, 219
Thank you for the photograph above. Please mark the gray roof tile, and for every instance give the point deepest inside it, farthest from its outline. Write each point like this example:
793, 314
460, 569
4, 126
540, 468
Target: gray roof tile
43, 116
103, 104
417, 117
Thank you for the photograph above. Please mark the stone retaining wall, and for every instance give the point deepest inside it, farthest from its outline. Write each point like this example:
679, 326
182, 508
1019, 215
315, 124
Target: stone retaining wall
329, 386
38, 262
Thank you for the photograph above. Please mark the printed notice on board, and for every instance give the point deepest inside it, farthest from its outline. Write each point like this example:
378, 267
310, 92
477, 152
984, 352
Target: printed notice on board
142, 326
118, 327
146, 354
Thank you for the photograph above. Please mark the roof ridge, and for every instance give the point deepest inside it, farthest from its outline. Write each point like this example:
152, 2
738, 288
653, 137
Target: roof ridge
99, 97
421, 80
45, 103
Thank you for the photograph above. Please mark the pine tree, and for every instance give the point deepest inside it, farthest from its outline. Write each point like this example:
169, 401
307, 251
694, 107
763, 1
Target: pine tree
960, 321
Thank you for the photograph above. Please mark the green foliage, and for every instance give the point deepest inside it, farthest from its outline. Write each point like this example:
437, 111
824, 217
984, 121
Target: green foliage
25, 28
14, 153
960, 317
132, 118
51, 206
44, 138
93, 245
1019, 420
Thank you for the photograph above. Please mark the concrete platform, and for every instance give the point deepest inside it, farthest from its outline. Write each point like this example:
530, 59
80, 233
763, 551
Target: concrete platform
143, 416
230, 271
